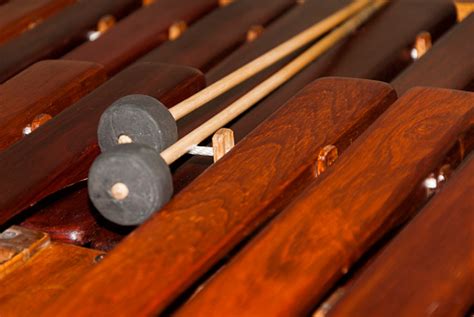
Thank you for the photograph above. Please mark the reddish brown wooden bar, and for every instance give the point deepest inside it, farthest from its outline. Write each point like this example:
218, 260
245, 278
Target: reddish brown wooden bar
366, 54
59, 33
213, 37
448, 64
287, 268
43, 278
18, 16
163, 257
60, 152
139, 32
429, 267
34, 92
65, 220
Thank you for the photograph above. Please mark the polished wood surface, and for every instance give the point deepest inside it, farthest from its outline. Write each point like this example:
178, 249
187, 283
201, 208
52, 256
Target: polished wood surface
17, 246
291, 23
59, 154
19, 16
65, 220
214, 36
43, 278
366, 54
139, 32
56, 35
201, 224
448, 64
298, 257
429, 267
46, 94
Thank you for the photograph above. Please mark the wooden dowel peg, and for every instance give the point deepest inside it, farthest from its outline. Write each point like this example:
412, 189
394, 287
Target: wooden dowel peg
38, 121
147, 2
223, 3
326, 157
176, 30
422, 45
103, 25
222, 142
254, 32
464, 9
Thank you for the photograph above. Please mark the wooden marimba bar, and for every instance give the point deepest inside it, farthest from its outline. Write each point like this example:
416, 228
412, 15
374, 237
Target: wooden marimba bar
347, 193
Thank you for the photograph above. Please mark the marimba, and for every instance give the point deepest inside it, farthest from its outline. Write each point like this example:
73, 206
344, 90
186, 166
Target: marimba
348, 191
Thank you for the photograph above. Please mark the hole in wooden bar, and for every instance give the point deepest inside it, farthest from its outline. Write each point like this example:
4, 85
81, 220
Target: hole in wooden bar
176, 30
105, 23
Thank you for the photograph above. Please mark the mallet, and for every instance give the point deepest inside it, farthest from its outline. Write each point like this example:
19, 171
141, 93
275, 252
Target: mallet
147, 121
129, 182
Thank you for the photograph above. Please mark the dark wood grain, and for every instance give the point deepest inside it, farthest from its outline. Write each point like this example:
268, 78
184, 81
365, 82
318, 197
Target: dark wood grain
43, 278
56, 35
379, 50
198, 38
213, 37
449, 63
60, 152
18, 16
139, 32
243, 189
299, 256
47, 87
428, 269
290, 24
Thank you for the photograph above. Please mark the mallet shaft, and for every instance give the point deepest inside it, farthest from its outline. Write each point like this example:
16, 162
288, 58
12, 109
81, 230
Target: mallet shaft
262, 90
245, 72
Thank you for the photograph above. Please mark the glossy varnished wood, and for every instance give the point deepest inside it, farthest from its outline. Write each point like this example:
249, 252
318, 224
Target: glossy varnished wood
213, 37
299, 256
60, 152
57, 34
367, 54
139, 32
163, 257
47, 87
18, 16
448, 64
43, 278
379, 50
294, 23
429, 267
290, 24
72, 219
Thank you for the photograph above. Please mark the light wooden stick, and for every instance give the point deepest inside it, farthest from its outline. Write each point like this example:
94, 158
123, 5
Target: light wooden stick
262, 90
260, 63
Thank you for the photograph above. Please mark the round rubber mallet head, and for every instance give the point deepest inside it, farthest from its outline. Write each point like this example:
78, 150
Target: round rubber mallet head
129, 183
137, 119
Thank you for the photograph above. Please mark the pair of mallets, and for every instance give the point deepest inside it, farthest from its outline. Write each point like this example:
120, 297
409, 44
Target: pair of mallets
127, 183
